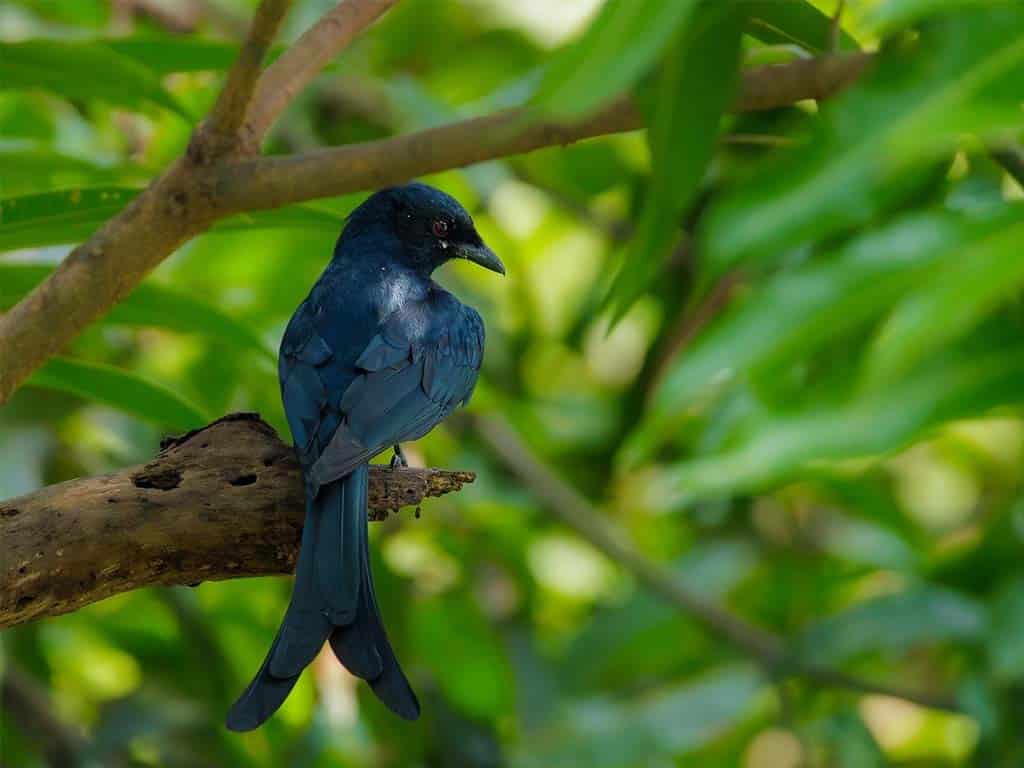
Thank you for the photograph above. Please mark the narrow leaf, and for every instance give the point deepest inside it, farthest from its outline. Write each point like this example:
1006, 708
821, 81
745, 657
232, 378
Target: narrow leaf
695, 89
778, 446
149, 304
70, 216
119, 389
894, 623
958, 77
796, 22
167, 55
615, 51
83, 70
969, 286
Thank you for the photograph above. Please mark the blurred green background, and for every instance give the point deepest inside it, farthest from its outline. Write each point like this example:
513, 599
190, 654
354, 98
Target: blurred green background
807, 403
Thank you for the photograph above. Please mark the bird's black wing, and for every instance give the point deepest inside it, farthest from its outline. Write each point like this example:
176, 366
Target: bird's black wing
422, 365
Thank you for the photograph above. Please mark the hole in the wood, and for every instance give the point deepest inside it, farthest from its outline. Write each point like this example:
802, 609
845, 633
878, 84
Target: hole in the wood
244, 480
161, 479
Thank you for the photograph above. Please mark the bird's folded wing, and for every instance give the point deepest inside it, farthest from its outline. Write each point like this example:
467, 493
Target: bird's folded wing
412, 374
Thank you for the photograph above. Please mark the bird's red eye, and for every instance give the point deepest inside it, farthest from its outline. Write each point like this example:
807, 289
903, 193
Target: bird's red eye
441, 228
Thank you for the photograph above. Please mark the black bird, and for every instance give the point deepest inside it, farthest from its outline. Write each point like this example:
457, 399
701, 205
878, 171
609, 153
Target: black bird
376, 355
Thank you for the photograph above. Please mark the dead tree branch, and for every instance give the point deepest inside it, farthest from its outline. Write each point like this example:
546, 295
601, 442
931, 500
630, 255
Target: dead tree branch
222, 502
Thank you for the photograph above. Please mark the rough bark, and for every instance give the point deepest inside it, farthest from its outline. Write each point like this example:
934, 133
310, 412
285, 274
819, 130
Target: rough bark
222, 502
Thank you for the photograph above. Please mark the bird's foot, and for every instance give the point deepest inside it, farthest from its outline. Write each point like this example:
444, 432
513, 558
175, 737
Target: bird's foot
398, 460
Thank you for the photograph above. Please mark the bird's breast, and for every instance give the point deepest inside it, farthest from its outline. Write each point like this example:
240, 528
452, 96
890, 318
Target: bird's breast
397, 290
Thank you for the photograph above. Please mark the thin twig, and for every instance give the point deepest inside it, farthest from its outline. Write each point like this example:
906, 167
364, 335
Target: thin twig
566, 503
836, 27
291, 73
221, 131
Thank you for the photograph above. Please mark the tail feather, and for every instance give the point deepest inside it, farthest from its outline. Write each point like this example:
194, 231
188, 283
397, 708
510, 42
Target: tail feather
392, 687
333, 598
363, 647
288, 655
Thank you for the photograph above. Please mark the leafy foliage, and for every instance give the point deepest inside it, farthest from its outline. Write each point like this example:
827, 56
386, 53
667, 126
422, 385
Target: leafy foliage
811, 412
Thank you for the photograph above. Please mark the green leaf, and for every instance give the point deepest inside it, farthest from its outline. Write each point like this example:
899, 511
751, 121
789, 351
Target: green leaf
35, 170
1006, 640
149, 304
451, 629
696, 87
775, 447
119, 389
888, 17
820, 302
792, 21
70, 216
971, 283
83, 70
615, 51
54, 218
167, 55
607, 733
957, 77
618, 644
894, 623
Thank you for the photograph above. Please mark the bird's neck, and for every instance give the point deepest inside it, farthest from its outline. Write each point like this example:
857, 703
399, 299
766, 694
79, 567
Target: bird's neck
376, 257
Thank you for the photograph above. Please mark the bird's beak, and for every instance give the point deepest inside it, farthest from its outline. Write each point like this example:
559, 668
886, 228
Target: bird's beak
482, 255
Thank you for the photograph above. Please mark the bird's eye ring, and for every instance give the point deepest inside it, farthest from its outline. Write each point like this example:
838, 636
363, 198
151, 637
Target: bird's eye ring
441, 228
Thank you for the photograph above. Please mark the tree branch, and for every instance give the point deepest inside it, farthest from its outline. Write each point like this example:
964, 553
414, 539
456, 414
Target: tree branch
29, 706
277, 181
291, 73
188, 198
222, 502
567, 504
220, 134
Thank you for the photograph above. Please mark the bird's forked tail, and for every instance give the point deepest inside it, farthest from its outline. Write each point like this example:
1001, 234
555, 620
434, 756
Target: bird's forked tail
333, 599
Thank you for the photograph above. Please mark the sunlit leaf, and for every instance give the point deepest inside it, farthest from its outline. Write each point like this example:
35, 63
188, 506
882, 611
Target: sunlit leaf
895, 623
873, 423
792, 21
468, 663
890, 15
166, 55
119, 389
70, 216
83, 70
32, 170
696, 87
792, 314
915, 104
53, 218
618, 48
149, 304
978, 278
605, 733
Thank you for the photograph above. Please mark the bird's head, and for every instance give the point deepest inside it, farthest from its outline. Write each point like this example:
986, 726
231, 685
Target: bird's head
430, 226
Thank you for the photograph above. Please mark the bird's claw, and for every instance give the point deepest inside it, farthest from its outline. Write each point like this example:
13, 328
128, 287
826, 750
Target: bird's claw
398, 460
